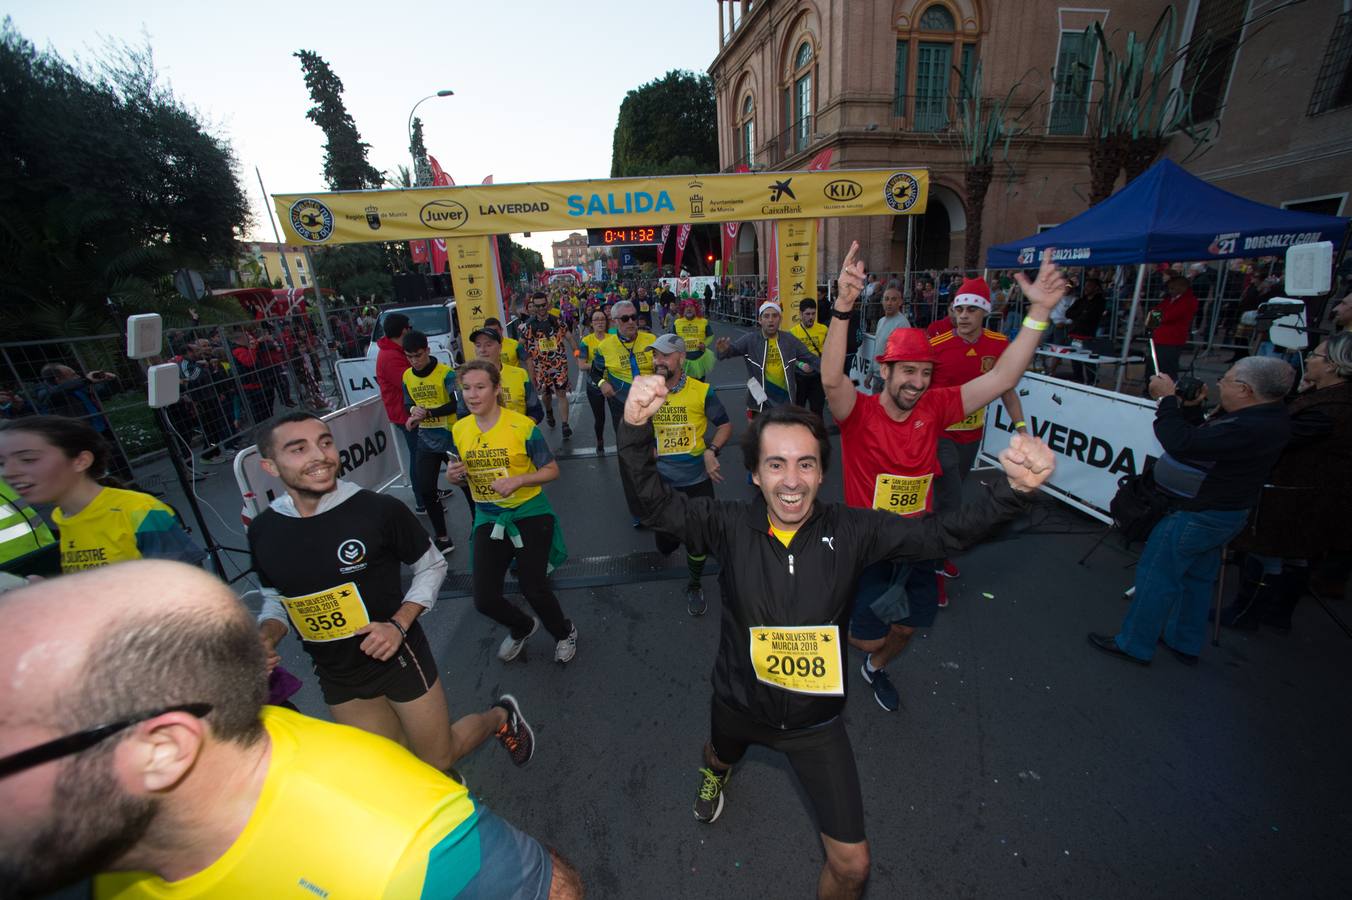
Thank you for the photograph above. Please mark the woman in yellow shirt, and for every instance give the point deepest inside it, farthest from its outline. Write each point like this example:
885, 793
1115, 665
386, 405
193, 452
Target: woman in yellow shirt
505, 459
52, 459
591, 343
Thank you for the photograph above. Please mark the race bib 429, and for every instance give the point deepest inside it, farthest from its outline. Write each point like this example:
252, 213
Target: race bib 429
803, 659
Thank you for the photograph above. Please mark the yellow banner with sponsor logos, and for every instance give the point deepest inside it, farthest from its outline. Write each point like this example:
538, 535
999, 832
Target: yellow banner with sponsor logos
797, 266
396, 215
476, 290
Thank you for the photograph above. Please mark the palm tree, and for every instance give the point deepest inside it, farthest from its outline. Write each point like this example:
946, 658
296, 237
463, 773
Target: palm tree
982, 129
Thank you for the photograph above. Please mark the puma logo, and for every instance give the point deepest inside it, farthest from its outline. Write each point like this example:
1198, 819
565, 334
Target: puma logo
830, 542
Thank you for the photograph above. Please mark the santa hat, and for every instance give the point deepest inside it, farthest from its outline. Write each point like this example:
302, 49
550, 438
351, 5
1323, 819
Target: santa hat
974, 292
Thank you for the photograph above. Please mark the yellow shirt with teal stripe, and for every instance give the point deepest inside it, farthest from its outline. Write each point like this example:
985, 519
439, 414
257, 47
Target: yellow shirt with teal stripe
435, 389
119, 525
513, 446
342, 813
694, 331
617, 360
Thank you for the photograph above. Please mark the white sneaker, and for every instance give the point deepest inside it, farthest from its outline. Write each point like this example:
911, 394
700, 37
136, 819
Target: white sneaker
511, 647
566, 648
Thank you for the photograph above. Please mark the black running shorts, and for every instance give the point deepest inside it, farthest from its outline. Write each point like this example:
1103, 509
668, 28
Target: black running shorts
821, 757
406, 676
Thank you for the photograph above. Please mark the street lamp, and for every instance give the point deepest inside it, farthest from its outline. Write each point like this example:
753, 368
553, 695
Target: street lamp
419, 165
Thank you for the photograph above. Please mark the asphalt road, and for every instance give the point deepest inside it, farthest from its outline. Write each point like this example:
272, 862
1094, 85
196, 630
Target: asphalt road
1023, 763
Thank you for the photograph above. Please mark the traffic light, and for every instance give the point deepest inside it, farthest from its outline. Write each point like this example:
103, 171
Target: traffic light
709, 258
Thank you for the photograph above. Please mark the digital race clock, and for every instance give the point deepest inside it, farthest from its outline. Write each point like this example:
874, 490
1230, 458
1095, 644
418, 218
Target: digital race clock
623, 237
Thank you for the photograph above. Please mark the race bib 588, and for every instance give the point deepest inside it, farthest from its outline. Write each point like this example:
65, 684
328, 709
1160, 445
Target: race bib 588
901, 495
803, 659
329, 615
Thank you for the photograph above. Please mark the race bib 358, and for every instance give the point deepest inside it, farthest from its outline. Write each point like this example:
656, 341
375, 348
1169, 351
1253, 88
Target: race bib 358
329, 615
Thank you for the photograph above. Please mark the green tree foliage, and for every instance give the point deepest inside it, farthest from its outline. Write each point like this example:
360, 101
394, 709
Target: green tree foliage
667, 127
108, 183
345, 164
422, 169
517, 260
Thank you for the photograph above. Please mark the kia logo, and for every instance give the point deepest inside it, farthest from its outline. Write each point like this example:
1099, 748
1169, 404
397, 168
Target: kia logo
842, 189
443, 215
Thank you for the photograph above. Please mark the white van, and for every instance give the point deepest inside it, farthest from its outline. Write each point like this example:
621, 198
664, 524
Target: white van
437, 321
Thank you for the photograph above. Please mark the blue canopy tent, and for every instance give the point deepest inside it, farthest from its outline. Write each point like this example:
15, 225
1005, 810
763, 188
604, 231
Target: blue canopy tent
1168, 215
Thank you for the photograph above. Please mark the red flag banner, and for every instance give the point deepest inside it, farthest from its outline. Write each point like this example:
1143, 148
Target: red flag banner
728, 233
438, 248
682, 236
662, 246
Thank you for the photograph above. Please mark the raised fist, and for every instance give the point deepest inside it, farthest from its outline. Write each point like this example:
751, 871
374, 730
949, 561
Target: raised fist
646, 396
1028, 462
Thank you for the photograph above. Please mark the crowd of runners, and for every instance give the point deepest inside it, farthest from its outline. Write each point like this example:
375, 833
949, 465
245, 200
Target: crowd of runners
190, 777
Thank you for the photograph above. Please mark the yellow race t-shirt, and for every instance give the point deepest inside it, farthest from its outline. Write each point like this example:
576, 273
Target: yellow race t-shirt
120, 525
430, 391
813, 338
590, 344
342, 813
776, 380
694, 331
512, 354
513, 446
620, 361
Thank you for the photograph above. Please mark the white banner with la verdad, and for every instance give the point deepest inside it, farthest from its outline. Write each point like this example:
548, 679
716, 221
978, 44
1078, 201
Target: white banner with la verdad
1097, 435
357, 376
367, 456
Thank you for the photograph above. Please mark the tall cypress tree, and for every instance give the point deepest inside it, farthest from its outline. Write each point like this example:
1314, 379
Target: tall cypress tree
345, 165
422, 169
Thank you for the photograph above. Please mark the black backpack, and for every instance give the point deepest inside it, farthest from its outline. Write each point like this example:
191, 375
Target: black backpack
1138, 505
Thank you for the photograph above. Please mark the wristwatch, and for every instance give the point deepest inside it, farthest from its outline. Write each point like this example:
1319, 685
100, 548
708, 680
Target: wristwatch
838, 314
716, 449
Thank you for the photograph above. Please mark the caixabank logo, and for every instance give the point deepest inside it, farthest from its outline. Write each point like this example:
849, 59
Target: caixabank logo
901, 191
311, 220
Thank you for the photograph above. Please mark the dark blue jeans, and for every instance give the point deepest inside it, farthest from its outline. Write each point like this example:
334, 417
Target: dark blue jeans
1174, 578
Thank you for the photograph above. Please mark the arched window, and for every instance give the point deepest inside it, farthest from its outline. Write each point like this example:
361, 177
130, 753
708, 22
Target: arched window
800, 97
926, 85
746, 131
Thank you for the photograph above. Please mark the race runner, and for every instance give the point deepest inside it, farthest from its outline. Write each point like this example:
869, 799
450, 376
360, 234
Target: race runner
505, 460
327, 556
618, 360
547, 341
518, 394
685, 462
429, 397
774, 360
788, 566
967, 352
512, 352
591, 343
696, 331
53, 459
813, 335
145, 752
889, 444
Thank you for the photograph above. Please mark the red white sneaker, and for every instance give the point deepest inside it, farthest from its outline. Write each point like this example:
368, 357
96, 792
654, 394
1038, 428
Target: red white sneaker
943, 590
948, 570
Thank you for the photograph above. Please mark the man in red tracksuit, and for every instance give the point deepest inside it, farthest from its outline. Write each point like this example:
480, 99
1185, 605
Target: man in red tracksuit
1170, 323
390, 366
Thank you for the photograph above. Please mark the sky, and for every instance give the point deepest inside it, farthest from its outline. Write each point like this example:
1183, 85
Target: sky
538, 84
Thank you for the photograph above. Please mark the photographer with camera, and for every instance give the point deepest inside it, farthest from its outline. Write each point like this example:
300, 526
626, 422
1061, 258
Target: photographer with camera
1212, 474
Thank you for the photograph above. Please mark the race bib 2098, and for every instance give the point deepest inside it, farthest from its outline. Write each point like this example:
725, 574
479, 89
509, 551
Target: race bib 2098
804, 659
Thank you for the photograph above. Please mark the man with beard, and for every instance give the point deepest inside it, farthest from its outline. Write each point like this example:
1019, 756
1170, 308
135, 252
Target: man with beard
684, 460
327, 557
144, 751
890, 442
546, 341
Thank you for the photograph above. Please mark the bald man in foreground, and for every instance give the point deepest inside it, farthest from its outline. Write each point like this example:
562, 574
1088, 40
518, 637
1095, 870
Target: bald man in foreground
134, 742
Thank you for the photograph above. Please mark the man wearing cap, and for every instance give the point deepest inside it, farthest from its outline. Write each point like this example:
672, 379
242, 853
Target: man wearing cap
515, 390
512, 353
962, 354
618, 360
684, 461
889, 443
773, 360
